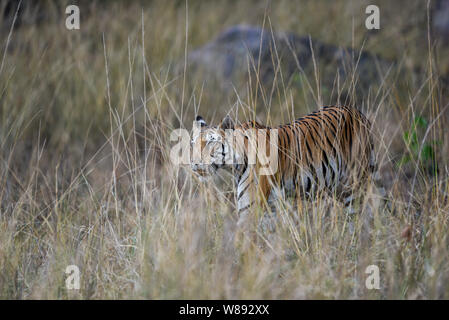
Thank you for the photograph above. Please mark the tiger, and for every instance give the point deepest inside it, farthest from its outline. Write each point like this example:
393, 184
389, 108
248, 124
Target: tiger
330, 150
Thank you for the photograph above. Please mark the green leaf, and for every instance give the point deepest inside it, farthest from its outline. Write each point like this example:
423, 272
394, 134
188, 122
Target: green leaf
414, 145
427, 152
420, 122
406, 137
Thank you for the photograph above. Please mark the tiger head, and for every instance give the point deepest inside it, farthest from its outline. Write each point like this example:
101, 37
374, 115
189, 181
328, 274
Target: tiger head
210, 148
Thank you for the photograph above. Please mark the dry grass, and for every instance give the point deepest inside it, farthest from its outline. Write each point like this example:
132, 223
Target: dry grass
85, 175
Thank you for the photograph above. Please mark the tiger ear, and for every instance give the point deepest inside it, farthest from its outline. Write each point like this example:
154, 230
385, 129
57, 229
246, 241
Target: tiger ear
200, 121
227, 123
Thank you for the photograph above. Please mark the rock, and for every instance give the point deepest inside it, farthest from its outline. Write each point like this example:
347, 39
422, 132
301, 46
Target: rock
235, 54
440, 20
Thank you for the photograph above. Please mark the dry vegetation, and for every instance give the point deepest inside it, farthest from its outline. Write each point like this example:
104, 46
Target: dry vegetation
85, 175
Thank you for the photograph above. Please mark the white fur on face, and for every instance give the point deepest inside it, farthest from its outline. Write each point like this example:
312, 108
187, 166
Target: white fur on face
210, 156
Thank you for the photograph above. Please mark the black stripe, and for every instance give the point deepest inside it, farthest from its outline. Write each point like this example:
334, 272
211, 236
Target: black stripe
308, 126
330, 123
308, 185
243, 192
309, 151
223, 154
351, 133
324, 165
246, 207
245, 166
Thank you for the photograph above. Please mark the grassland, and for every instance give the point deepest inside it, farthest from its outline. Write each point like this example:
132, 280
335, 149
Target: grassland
85, 175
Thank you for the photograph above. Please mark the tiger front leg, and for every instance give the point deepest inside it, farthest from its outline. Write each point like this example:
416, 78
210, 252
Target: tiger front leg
252, 210
268, 218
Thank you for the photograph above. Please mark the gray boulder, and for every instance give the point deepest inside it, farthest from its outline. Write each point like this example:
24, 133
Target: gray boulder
440, 20
243, 51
